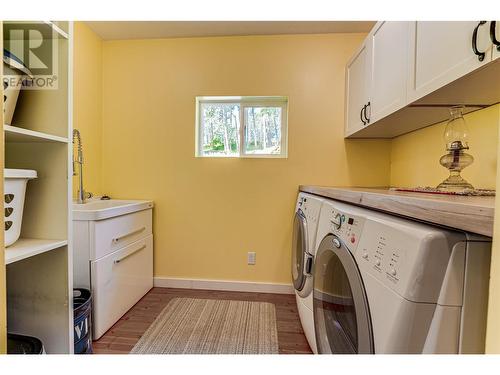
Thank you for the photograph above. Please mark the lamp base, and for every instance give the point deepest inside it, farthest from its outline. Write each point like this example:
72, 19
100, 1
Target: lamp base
455, 183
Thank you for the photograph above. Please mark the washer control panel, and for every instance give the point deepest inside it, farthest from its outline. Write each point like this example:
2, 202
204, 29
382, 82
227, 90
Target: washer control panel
347, 227
382, 251
385, 258
408, 257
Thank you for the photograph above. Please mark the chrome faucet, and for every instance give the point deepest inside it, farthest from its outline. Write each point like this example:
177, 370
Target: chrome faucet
82, 195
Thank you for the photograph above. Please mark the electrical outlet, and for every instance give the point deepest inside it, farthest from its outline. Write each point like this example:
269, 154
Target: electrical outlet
251, 257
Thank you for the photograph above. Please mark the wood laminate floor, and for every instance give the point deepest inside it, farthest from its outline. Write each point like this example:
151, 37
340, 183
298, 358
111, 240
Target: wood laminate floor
122, 337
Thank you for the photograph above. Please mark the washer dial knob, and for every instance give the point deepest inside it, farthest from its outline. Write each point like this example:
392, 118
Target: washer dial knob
337, 221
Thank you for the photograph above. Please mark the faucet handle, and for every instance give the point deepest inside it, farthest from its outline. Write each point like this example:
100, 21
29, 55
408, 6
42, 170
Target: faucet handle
88, 194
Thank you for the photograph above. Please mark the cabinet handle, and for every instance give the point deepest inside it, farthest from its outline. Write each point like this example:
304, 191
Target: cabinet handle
361, 114
115, 240
369, 105
496, 42
480, 55
132, 253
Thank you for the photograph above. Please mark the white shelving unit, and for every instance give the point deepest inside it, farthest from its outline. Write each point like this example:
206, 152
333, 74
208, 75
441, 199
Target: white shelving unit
39, 265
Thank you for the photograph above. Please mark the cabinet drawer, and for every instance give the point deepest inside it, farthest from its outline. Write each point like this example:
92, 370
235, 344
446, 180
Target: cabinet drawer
112, 234
119, 280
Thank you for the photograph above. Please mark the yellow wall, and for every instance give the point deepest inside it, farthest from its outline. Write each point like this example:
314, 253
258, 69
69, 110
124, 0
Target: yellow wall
493, 332
211, 211
87, 110
3, 317
415, 156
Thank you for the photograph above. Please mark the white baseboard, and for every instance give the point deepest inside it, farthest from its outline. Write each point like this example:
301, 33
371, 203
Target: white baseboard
233, 286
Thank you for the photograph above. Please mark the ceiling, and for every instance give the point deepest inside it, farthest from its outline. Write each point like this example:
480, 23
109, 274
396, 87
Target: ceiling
112, 30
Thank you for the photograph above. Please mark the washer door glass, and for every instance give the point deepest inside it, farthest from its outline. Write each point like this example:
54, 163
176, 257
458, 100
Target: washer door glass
299, 246
341, 316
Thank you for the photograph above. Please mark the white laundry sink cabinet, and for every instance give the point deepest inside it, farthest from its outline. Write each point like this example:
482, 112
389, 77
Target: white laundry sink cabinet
113, 256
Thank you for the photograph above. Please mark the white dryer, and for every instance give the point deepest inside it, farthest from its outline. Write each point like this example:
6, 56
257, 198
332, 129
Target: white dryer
305, 225
384, 284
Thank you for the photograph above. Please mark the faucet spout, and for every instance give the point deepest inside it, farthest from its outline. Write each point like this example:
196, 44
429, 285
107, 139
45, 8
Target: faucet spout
79, 160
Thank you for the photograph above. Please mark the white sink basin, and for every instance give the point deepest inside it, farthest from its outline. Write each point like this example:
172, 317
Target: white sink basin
96, 209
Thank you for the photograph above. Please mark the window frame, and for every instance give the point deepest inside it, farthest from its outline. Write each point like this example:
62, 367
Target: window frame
244, 102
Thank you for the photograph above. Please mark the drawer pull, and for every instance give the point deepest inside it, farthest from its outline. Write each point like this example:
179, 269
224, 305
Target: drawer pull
132, 253
362, 116
117, 239
369, 105
480, 54
496, 42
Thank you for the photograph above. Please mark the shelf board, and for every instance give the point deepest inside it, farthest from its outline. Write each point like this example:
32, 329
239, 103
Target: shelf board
48, 29
16, 134
26, 247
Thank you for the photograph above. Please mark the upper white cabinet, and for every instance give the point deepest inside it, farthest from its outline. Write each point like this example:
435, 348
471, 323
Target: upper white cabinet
407, 74
442, 52
388, 51
356, 90
376, 76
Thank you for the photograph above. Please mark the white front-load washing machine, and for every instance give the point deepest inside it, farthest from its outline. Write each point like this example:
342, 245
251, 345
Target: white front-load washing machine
305, 225
384, 284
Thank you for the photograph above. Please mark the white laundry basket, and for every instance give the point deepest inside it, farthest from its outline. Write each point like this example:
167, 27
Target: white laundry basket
15, 73
15, 181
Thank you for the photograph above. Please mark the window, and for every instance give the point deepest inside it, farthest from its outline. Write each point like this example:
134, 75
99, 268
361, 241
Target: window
241, 126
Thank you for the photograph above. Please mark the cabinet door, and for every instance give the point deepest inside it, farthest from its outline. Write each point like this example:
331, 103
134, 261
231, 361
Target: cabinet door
441, 52
388, 68
356, 90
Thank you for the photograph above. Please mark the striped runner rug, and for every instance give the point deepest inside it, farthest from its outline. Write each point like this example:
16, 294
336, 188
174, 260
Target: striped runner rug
207, 326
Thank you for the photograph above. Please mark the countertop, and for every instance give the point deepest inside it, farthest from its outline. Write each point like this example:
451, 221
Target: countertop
469, 213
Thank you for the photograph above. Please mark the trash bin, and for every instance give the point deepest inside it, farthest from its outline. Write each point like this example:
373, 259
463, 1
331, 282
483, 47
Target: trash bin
15, 74
82, 307
20, 344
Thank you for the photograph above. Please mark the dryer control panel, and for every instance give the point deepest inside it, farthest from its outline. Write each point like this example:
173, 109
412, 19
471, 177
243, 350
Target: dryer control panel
310, 207
346, 226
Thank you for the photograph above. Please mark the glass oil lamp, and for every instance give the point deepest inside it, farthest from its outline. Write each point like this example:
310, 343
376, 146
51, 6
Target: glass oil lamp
456, 138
